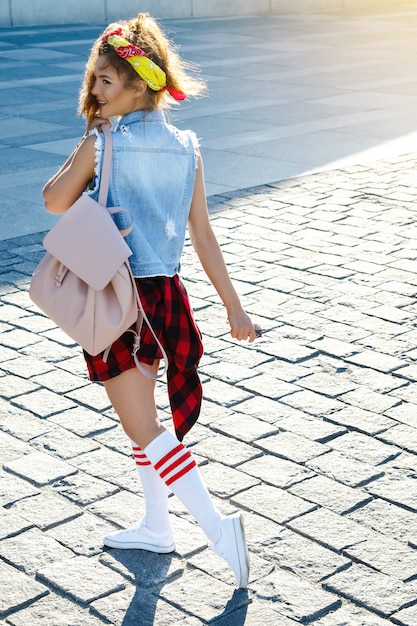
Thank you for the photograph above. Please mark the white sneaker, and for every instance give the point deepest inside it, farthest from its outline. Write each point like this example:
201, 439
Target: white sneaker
141, 538
232, 548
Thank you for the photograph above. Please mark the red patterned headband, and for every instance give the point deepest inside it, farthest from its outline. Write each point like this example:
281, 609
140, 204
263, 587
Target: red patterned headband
148, 70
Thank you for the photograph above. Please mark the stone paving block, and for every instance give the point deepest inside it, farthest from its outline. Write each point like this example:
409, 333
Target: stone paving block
189, 537
12, 386
20, 424
32, 550
295, 598
59, 381
288, 350
370, 400
311, 427
405, 462
117, 440
263, 613
224, 394
220, 447
39, 468
43, 402
268, 386
375, 591
82, 578
304, 557
387, 556
124, 607
407, 393
345, 469
312, 403
351, 615
6, 354
330, 494
406, 413
388, 519
264, 409
243, 357
92, 396
105, 464
334, 347
83, 534
63, 444
82, 421
53, 610
18, 338
224, 481
409, 371
189, 590
397, 489
122, 508
83, 488
56, 334
230, 372
292, 447
46, 509
281, 506
143, 568
377, 361
11, 524
209, 562
26, 366
276, 471
368, 422
365, 448
12, 448
48, 351
17, 590
13, 489
331, 385
330, 530
243, 427
406, 617
403, 436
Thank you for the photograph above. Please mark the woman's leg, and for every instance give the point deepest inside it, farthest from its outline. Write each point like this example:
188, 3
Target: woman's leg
177, 467
132, 395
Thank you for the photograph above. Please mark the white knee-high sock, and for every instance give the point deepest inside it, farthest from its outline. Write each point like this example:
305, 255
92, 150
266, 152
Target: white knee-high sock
155, 492
177, 467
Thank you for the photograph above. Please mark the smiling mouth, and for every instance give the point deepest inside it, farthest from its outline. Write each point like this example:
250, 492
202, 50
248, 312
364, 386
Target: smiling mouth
101, 103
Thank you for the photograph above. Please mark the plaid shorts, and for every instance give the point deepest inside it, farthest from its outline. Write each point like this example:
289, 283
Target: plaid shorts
166, 304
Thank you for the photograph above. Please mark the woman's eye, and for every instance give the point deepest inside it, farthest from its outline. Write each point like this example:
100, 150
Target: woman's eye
106, 82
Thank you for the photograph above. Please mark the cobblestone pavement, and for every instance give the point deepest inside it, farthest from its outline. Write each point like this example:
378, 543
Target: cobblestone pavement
312, 430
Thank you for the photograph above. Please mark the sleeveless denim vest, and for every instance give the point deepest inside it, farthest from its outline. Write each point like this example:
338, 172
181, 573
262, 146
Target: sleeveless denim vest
152, 176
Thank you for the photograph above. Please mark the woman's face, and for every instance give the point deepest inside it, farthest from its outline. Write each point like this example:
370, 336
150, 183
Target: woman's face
113, 97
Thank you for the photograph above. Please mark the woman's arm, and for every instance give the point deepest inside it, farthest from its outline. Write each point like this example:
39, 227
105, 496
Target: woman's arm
208, 250
63, 189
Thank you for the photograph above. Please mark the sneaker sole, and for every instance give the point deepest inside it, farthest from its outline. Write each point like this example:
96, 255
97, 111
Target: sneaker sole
242, 551
137, 545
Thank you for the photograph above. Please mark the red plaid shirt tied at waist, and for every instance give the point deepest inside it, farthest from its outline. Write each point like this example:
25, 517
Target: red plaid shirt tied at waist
165, 301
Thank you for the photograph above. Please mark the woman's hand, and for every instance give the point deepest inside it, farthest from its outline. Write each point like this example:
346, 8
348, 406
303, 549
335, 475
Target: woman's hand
96, 122
241, 326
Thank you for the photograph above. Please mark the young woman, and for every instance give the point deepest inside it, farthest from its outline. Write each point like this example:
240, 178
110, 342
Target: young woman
132, 75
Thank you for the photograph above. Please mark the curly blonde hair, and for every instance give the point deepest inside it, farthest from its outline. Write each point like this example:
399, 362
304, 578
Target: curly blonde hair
142, 31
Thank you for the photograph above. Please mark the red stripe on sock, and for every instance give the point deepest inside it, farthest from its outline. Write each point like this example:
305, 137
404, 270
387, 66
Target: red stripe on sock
140, 459
175, 464
181, 473
168, 456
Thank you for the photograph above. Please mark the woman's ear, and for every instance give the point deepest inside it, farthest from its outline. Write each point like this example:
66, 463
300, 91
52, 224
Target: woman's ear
140, 88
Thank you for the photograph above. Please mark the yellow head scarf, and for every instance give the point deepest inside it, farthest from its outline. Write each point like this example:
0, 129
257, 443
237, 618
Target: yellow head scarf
149, 71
